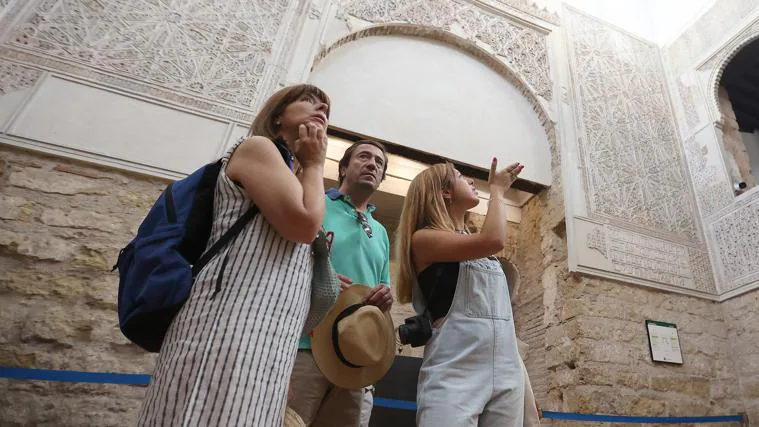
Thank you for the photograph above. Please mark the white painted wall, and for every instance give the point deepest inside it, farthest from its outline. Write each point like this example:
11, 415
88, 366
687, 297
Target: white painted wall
751, 141
434, 98
87, 122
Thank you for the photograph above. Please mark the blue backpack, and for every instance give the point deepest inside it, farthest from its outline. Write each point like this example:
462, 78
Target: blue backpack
158, 267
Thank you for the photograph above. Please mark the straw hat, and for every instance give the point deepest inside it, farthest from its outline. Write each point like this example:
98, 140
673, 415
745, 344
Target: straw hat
292, 419
354, 345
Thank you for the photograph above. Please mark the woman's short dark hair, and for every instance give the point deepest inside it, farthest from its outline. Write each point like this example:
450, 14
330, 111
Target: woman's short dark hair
349, 154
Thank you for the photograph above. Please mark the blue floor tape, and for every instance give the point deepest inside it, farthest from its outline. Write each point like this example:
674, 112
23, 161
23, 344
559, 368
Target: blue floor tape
382, 402
570, 416
74, 376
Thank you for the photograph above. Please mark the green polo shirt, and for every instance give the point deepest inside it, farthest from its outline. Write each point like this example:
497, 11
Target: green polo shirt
364, 259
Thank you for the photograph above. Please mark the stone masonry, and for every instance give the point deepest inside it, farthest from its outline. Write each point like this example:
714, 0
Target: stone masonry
63, 222
61, 226
742, 317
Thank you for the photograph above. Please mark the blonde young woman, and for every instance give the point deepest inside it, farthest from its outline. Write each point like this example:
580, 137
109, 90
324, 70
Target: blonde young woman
227, 357
471, 374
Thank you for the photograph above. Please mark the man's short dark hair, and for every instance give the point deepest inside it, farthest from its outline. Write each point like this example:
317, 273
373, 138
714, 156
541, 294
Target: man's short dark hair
349, 154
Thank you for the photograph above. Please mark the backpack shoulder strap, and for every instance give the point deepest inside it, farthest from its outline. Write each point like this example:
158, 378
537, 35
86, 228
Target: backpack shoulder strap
227, 237
241, 222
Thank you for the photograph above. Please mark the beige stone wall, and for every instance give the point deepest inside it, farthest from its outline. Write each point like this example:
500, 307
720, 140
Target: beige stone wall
61, 226
600, 362
742, 316
541, 258
588, 347
62, 223
737, 158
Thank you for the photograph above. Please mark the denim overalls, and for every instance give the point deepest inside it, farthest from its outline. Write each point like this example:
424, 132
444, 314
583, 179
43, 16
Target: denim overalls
471, 373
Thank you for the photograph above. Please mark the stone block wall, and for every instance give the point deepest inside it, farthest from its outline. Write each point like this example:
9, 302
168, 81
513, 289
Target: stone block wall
588, 345
599, 359
62, 223
61, 226
742, 316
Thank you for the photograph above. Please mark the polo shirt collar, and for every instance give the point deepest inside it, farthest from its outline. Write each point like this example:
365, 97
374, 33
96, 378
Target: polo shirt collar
335, 194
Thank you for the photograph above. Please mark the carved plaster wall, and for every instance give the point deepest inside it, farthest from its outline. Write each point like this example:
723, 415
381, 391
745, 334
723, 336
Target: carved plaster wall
735, 232
717, 63
217, 57
522, 47
635, 173
642, 221
708, 176
14, 77
707, 32
696, 61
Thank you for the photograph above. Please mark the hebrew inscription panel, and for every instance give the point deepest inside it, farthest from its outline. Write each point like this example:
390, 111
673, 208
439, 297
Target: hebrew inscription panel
652, 259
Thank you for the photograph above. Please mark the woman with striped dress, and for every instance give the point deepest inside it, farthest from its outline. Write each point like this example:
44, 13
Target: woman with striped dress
227, 357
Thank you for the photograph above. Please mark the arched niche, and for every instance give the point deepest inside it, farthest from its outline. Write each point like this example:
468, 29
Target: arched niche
734, 91
430, 90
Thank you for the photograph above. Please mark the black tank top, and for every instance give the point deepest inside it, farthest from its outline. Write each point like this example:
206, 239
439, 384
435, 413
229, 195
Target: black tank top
440, 277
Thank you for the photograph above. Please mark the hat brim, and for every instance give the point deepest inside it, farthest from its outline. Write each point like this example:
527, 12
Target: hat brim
323, 351
292, 419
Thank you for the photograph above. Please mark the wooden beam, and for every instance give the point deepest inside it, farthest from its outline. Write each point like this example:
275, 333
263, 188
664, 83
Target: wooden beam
429, 158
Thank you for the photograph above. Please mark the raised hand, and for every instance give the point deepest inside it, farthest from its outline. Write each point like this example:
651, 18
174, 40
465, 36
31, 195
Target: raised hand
504, 178
311, 146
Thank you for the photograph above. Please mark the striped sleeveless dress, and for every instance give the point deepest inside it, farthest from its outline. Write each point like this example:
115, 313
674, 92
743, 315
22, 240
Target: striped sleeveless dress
227, 357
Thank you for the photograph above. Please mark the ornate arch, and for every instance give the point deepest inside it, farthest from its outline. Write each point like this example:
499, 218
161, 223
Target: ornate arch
437, 34
723, 58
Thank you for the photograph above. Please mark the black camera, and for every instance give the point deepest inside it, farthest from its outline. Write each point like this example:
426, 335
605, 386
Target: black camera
416, 330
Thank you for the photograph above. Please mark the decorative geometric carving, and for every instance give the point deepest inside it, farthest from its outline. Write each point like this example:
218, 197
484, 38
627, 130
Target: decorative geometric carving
689, 98
596, 239
14, 77
220, 52
657, 260
701, 269
635, 170
721, 59
712, 27
532, 8
523, 48
712, 192
736, 235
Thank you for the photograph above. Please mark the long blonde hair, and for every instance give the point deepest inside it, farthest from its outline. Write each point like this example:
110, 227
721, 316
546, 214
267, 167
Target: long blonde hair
424, 207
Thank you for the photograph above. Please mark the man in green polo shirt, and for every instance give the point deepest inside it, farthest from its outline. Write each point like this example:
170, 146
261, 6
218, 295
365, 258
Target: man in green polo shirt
360, 254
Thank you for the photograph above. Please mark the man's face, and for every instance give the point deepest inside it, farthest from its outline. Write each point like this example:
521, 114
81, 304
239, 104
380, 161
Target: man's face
366, 167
